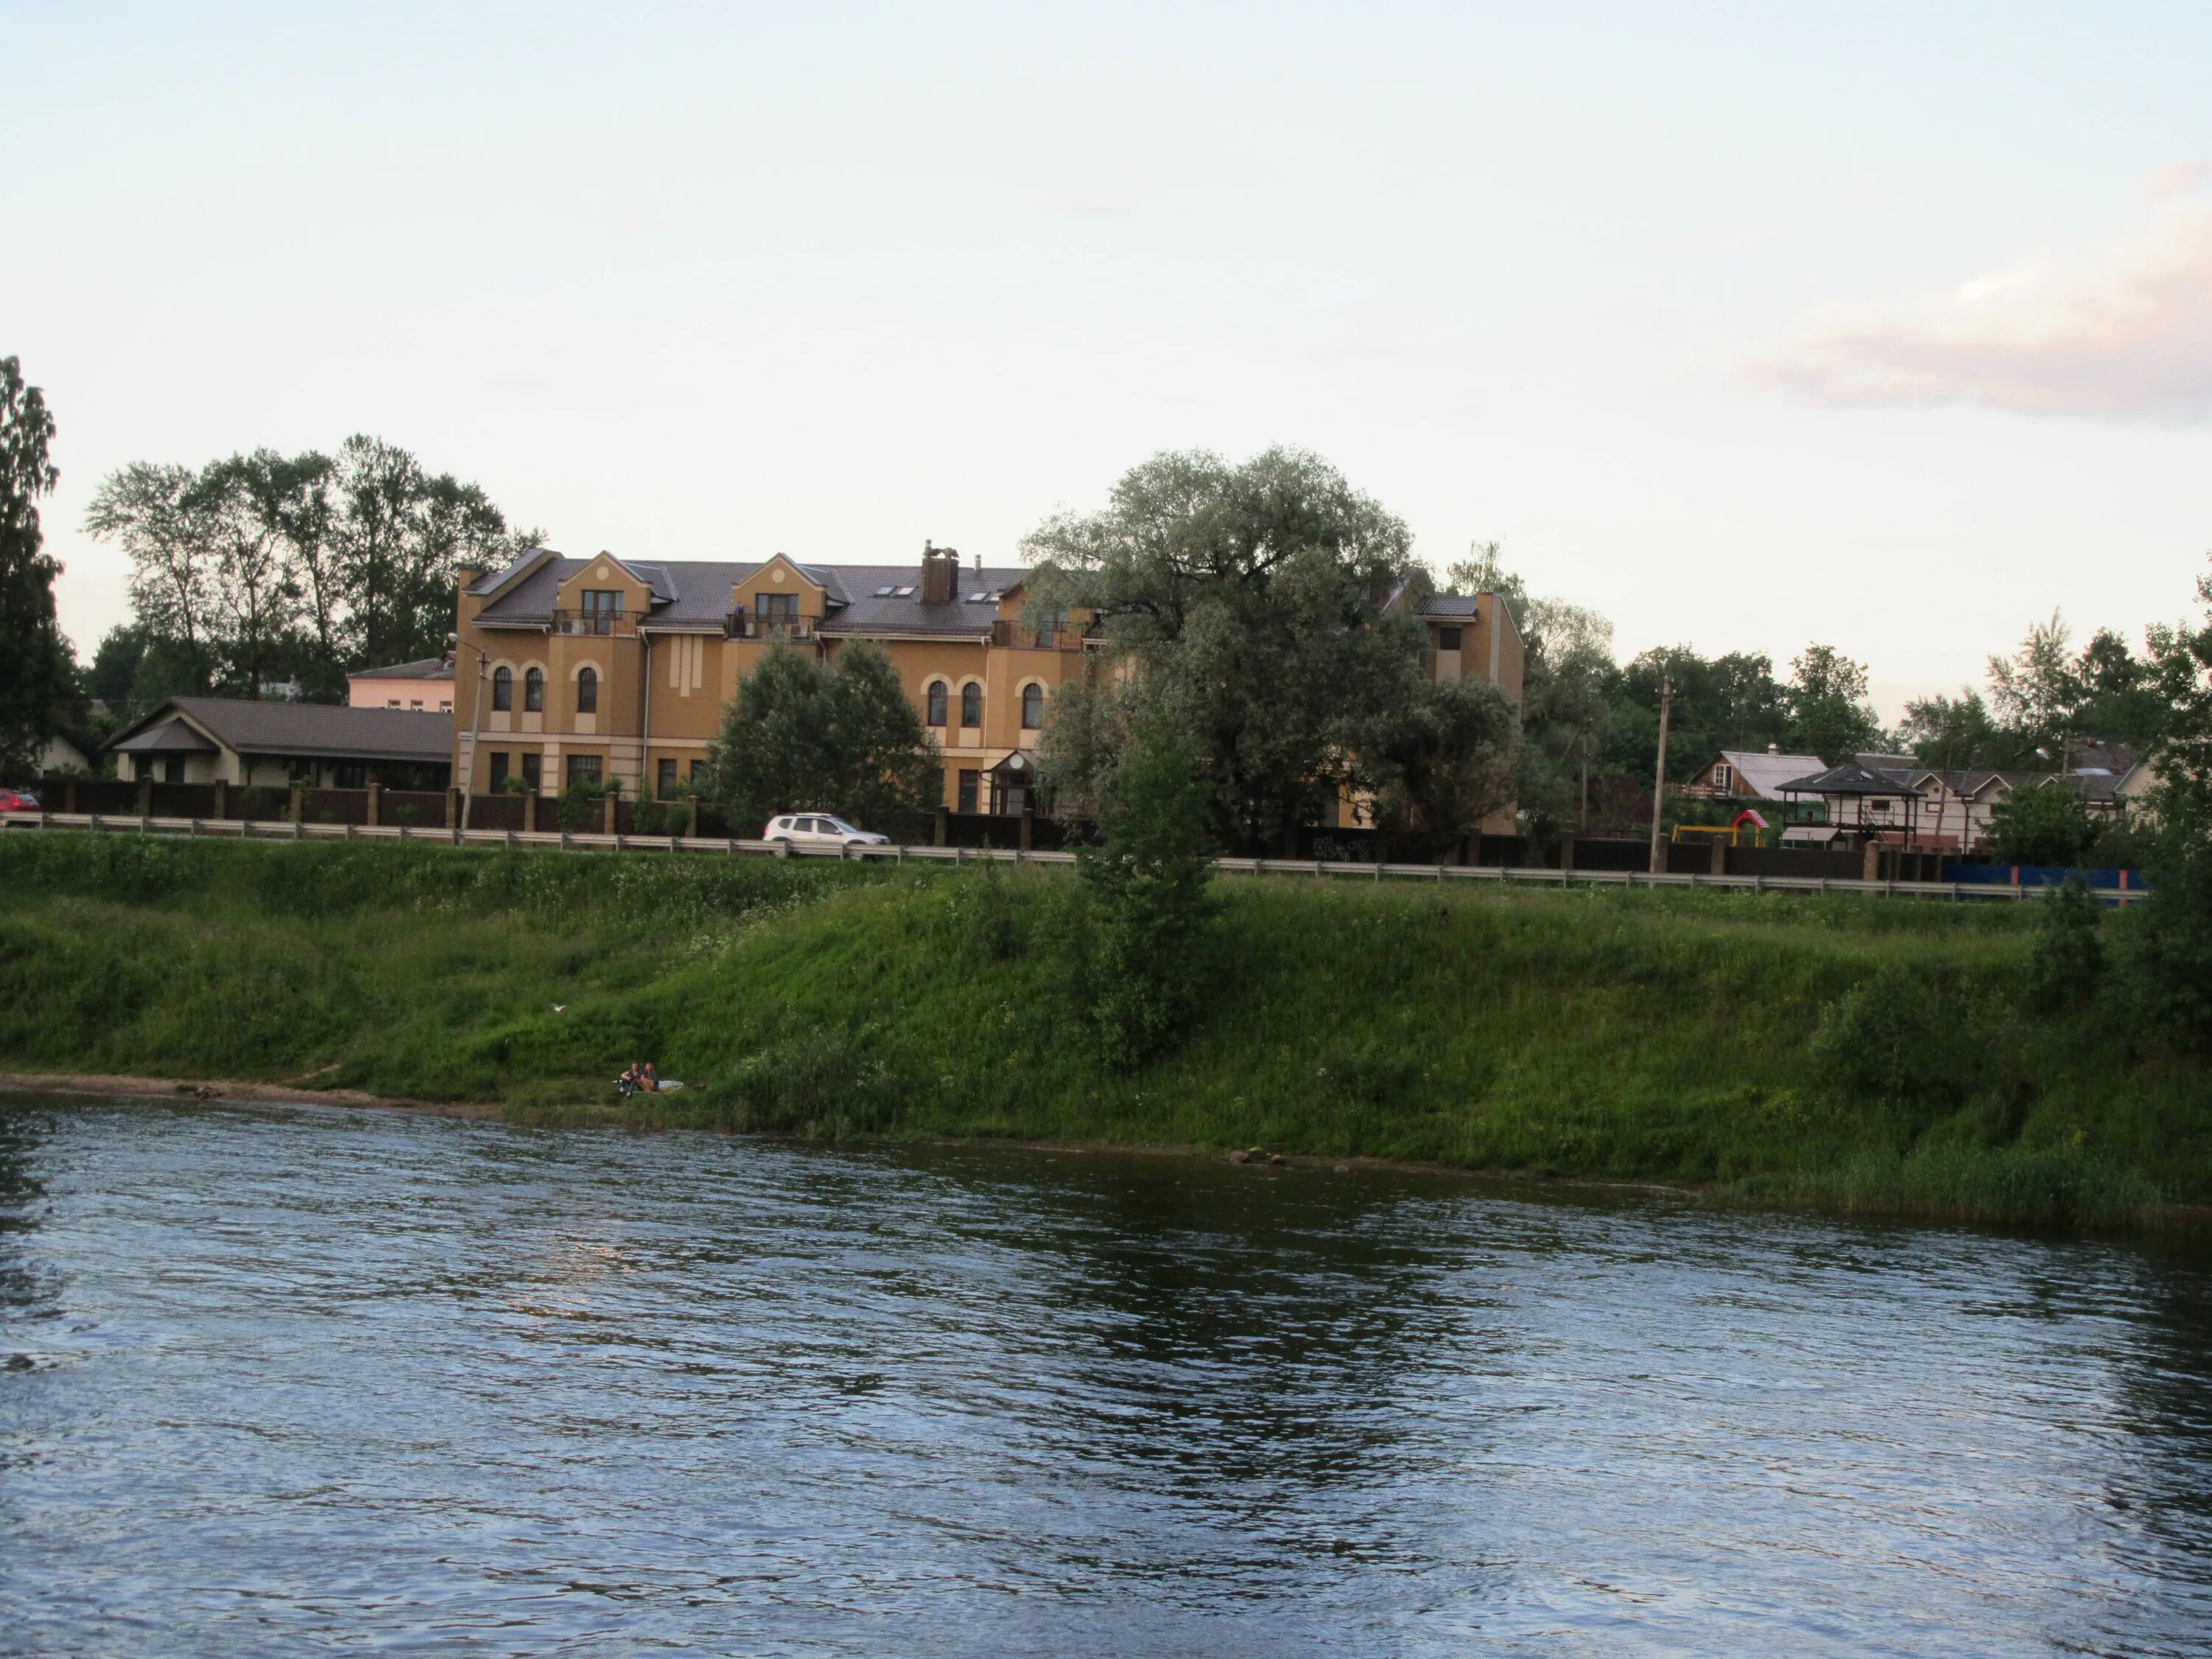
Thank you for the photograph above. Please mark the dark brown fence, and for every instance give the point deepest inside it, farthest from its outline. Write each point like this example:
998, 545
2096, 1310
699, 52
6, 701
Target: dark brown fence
420, 809
500, 811
334, 806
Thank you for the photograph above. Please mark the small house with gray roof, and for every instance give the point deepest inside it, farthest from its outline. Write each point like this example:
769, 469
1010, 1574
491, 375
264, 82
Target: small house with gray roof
238, 740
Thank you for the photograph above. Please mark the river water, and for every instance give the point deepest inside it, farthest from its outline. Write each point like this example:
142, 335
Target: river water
286, 1381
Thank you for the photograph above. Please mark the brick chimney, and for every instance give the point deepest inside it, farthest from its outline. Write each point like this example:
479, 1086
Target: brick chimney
940, 574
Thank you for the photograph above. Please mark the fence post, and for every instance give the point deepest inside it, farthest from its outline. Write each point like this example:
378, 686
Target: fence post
69, 795
145, 796
607, 812
222, 797
1870, 865
691, 821
298, 808
939, 841
1566, 853
453, 808
375, 804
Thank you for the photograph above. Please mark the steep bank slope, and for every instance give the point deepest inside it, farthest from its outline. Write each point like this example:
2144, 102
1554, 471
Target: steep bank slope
1674, 1035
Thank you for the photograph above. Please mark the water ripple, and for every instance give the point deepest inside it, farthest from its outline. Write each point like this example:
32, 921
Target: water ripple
295, 1380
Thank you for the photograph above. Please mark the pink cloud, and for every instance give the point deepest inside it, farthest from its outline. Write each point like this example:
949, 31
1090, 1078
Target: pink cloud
2127, 333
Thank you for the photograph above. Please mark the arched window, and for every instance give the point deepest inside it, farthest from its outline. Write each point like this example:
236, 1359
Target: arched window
502, 689
936, 704
587, 691
534, 689
971, 704
1032, 707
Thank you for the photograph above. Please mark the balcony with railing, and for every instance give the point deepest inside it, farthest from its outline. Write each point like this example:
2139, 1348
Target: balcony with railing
603, 623
738, 626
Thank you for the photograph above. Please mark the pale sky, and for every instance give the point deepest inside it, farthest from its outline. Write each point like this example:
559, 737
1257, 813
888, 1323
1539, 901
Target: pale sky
1889, 326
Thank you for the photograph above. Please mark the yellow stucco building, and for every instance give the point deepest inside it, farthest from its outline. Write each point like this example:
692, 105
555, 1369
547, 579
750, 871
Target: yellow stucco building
605, 667
610, 668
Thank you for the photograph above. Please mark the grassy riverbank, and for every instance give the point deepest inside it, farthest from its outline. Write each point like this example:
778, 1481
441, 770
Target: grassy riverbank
1670, 1036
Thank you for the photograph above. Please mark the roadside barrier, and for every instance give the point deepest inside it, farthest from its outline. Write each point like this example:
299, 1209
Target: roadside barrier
1320, 869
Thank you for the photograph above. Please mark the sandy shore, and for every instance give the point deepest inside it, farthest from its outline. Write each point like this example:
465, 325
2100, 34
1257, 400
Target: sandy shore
288, 1094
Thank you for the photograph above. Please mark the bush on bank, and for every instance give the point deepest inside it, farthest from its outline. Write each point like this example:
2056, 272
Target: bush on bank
1888, 1054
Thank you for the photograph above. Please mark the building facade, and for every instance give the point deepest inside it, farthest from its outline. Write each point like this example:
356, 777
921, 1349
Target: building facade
419, 688
606, 668
603, 668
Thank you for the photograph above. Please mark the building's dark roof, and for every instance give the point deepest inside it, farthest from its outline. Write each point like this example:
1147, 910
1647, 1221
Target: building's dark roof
1902, 768
864, 599
300, 729
1451, 605
172, 737
1849, 779
430, 668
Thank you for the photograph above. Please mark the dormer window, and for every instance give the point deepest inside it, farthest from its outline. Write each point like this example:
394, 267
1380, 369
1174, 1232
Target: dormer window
906, 593
885, 593
601, 606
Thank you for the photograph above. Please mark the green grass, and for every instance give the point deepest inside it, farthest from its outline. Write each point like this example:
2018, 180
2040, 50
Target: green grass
1683, 1035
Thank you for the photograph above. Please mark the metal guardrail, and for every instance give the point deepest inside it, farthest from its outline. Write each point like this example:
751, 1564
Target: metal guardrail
579, 840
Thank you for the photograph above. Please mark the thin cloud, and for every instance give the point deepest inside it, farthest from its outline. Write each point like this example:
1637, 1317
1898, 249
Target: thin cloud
2127, 334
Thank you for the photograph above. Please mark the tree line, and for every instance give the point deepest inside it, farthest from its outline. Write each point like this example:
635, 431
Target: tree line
259, 574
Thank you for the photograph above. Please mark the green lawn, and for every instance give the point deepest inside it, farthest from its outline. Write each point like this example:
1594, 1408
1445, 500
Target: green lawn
1598, 1032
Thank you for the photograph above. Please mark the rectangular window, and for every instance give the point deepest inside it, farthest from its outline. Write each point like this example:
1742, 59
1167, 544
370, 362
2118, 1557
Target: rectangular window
1447, 639
601, 606
1723, 778
583, 769
968, 782
349, 774
776, 609
698, 771
498, 772
393, 702
665, 785
533, 772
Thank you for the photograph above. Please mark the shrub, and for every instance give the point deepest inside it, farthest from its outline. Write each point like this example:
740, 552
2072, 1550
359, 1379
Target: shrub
1147, 880
2048, 824
1882, 1040
2068, 966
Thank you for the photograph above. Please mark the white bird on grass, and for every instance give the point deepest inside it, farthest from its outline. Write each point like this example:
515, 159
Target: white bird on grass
558, 1006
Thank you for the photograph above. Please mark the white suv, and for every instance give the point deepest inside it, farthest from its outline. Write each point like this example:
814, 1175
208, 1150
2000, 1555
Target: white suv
818, 832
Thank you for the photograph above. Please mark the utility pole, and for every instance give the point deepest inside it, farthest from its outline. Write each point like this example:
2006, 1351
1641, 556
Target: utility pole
1659, 781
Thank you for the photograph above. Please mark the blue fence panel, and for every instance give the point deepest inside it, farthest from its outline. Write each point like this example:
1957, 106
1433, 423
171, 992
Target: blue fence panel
2045, 875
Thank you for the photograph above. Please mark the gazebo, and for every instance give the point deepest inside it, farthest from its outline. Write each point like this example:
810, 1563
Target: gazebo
1880, 808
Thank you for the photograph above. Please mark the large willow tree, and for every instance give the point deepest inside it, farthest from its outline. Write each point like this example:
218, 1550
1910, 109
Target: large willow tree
1244, 605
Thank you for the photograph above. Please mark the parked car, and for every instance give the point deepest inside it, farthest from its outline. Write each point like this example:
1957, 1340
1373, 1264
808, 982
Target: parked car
18, 800
818, 832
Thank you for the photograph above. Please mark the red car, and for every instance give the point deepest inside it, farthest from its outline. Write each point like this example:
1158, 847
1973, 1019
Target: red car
18, 800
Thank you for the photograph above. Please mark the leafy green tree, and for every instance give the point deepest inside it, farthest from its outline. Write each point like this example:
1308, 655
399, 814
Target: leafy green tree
1483, 571
36, 665
1248, 602
1566, 706
2036, 694
1948, 733
2120, 698
1730, 702
1452, 759
2042, 824
842, 737
2169, 957
263, 565
1146, 882
1828, 712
